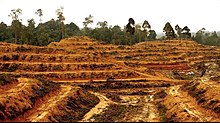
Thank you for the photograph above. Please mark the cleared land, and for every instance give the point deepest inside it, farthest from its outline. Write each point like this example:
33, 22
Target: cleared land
79, 79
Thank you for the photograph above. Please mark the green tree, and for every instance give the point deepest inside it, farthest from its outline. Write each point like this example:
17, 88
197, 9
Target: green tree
48, 32
214, 35
15, 13
207, 38
16, 24
169, 32
152, 35
39, 12
117, 35
88, 20
214, 39
179, 31
30, 33
185, 32
139, 33
102, 32
199, 35
61, 20
146, 26
130, 28
103, 24
5, 33
72, 30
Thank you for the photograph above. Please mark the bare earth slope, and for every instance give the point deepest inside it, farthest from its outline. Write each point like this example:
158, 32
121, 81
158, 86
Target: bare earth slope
80, 79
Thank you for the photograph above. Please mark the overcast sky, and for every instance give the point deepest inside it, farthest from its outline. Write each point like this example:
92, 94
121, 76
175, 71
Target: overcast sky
195, 14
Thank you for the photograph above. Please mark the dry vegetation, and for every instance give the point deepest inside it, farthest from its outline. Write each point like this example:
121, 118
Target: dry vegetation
79, 79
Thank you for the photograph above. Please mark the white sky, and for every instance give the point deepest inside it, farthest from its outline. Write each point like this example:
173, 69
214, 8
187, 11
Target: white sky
195, 14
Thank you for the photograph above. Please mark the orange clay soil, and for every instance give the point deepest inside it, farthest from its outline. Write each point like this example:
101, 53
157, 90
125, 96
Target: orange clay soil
81, 79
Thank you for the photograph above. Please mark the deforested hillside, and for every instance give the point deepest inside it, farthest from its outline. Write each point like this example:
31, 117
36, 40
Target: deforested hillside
81, 79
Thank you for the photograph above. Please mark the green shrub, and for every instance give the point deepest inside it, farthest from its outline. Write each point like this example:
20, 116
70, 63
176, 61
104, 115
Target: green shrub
5, 58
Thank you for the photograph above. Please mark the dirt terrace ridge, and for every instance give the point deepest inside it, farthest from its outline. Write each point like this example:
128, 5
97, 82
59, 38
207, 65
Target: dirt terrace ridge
81, 79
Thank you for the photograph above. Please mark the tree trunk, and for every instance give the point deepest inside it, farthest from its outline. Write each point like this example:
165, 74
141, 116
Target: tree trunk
16, 37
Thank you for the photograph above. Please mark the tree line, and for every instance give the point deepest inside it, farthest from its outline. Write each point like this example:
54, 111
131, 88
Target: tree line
54, 30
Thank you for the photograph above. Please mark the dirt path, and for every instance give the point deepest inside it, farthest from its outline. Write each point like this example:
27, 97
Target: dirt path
55, 63
159, 76
61, 72
189, 105
23, 83
45, 109
148, 111
99, 108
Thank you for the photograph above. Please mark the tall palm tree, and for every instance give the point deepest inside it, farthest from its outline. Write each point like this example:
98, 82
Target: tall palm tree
39, 12
61, 19
88, 20
16, 24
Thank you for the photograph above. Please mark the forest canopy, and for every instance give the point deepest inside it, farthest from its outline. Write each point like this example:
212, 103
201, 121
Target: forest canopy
55, 29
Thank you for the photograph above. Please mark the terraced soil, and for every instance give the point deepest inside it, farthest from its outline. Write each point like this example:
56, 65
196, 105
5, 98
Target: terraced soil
80, 79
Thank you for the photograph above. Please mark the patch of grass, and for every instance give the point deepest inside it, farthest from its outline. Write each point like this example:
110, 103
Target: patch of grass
162, 112
5, 58
127, 57
42, 67
12, 67
189, 77
113, 53
52, 58
5, 66
163, 59
44, 50
22, 49
113, 97
216, 78
160, 94
121, 47
75, 107
4, 79
46, 87
15, 57
57, 68
23, 57
112, 114
90, 48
